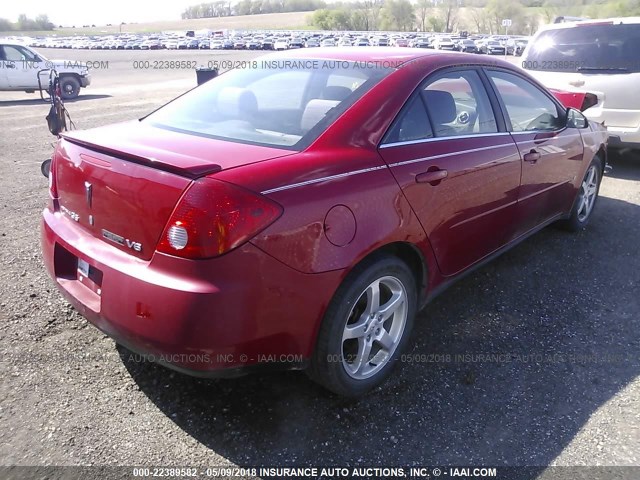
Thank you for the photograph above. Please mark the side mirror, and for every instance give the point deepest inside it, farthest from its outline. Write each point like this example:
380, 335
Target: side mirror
576, 119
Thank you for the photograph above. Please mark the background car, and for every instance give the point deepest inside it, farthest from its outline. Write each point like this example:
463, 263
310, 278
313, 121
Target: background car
492, 47
598, 56
281, 45
466, 45
443, 43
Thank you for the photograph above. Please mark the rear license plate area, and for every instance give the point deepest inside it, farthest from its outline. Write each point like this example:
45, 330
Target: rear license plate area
89, 276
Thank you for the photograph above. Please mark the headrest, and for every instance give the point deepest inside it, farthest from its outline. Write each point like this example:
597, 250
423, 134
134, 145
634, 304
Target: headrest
441, 106
336, 93
315, 111
237, 102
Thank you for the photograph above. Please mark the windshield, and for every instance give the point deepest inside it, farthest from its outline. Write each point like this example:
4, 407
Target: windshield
586, 48
283, 103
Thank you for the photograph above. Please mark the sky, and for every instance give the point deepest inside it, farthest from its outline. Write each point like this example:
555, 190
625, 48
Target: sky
98, 12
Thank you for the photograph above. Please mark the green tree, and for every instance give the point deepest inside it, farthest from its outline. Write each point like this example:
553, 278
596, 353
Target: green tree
449, 10
423, 9
397, 15
499, 10
5, 25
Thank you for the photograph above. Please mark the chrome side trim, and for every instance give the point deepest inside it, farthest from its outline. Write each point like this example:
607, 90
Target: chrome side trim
459, 152
391, 165
570, 135
437, 139
323, 179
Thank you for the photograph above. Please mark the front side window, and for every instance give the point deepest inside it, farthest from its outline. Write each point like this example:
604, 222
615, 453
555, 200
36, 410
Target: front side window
527, 107
15, 53
279, 104
458, 104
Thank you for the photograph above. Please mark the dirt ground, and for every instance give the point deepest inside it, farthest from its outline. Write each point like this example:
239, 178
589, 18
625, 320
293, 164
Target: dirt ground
532, 360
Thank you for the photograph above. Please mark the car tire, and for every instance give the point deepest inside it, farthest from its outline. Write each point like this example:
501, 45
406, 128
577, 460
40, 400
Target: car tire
69, 87
586, 198
356, 327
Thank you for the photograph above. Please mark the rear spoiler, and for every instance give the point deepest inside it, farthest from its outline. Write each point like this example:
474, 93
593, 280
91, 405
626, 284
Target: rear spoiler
190, 172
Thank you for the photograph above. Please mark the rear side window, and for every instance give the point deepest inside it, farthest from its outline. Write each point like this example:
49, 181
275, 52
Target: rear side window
586, 48
458, 104
528, 108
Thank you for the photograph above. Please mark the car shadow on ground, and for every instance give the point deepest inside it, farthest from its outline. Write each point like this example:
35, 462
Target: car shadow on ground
504, 368
626, 164
39, 101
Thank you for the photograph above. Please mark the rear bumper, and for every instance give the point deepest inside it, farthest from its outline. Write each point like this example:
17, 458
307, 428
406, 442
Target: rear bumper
624, 137
213, 317
85, 81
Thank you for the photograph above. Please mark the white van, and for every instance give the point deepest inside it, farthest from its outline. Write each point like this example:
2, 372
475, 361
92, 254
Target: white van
599, 56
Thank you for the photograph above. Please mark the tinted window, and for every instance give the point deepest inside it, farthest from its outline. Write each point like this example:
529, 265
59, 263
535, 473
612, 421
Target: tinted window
527, 106
285, 107
613, 48
458, 105
412, 124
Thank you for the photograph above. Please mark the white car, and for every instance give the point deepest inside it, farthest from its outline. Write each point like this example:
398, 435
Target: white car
20, 66
444, 43
598, 56
281, 45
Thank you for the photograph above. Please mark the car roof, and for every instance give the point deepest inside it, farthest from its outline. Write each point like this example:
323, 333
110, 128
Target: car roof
394, 55
598, 21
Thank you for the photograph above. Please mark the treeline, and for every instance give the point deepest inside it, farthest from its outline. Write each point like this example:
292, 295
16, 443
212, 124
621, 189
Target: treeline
250, 7
25, 23
478, 16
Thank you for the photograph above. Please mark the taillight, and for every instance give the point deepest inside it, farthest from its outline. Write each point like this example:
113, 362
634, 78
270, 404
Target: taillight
53, 187
589, 101
213, 217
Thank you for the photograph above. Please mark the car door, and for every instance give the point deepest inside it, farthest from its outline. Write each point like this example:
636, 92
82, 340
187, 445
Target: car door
23, 72
551, 153
456, 167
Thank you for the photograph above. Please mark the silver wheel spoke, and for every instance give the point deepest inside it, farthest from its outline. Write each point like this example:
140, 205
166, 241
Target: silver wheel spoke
386, 341
391, 306
362, 359
355, 330
373, 297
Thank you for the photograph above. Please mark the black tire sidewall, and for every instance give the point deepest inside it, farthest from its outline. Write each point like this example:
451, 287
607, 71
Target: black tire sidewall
327, 365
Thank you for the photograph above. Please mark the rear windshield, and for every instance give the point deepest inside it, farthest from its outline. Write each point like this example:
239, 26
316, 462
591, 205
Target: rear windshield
279, 103
586, 49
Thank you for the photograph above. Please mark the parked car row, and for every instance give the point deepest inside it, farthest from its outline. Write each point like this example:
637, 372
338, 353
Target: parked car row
278, 40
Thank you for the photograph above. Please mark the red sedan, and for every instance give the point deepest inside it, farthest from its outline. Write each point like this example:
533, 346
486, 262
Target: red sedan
298, 213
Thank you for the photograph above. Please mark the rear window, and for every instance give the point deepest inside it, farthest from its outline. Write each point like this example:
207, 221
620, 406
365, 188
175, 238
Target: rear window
586, 48
285, 103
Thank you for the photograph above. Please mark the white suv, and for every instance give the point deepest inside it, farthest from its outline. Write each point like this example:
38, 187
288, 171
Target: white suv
599, 56
19, 67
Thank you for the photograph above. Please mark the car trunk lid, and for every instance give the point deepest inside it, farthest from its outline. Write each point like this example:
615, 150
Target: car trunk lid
121, 183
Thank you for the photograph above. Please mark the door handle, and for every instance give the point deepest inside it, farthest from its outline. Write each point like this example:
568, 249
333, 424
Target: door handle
433, 177
532, 156
9, 65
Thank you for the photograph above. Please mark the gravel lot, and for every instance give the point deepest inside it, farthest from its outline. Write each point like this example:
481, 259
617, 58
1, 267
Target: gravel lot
561, 311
